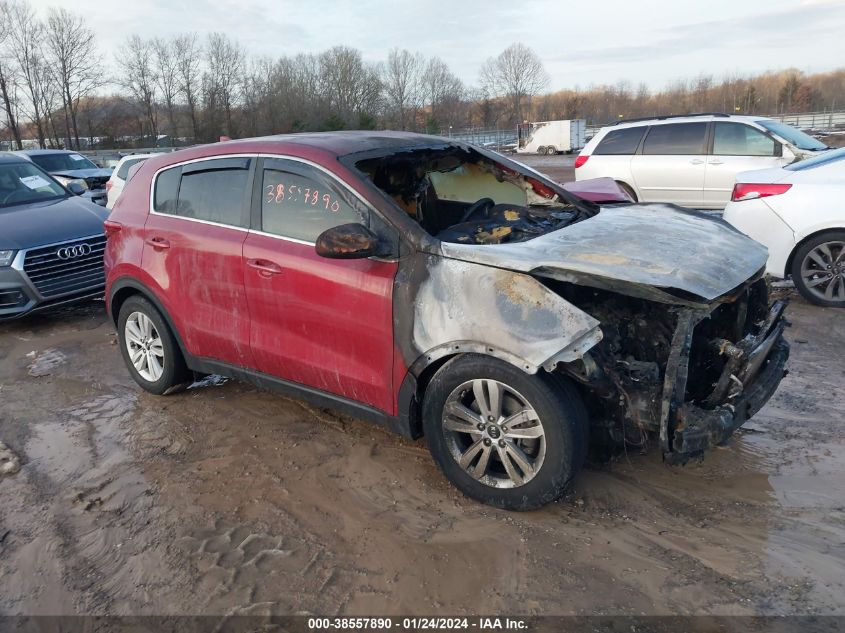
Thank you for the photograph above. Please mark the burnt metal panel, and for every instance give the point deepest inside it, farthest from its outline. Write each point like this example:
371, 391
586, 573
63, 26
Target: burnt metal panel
654, 245
462, 306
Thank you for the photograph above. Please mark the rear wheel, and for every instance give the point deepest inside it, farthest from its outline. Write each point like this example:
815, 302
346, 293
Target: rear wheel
551, 150
818, 269
149, 348
501, 436
541, 151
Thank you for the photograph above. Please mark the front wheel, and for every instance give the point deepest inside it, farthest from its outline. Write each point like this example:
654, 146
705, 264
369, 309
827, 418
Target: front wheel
818, 269
501, 436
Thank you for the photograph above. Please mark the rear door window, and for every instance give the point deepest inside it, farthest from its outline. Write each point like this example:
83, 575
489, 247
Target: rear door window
738, 139
214, 190
301, 202
675, 139
620, 142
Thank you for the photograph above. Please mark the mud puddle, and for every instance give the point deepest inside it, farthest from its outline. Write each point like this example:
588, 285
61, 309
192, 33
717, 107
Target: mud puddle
228, 500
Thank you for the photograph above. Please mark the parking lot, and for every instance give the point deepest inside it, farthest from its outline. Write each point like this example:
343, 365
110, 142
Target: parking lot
226, 499
561, 167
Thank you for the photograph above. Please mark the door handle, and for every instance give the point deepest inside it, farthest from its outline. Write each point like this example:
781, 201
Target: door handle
696, 161
716, 162
158, 243
265, 268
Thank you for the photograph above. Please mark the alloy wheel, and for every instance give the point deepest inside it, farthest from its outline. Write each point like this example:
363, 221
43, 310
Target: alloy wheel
145, 347
493, 433
823, 271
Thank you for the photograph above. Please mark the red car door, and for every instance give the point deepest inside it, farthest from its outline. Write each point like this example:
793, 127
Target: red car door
194, 251
323, 323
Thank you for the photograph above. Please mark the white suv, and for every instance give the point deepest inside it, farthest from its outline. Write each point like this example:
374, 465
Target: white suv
690, 160
114, 187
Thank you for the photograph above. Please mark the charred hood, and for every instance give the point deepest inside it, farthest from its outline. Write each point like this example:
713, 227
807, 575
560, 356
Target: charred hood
634, 249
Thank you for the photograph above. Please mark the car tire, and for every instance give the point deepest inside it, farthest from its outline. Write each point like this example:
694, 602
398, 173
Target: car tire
628, 190
522, 467
818, 269
149, 348
551, 151
541, 151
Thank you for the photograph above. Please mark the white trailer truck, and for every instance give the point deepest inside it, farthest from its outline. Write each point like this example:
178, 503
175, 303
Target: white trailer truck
551, 137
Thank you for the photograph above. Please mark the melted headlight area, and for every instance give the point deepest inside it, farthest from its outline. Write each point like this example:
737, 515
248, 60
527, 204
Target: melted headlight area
682, 376
459, 195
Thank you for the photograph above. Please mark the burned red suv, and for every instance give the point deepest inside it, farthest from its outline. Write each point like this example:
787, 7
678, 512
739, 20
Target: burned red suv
446, 291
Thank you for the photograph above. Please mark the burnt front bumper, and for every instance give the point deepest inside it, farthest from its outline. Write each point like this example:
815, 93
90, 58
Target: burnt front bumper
752, 372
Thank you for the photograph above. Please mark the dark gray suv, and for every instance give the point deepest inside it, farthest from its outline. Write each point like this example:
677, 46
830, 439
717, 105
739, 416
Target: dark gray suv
51, 241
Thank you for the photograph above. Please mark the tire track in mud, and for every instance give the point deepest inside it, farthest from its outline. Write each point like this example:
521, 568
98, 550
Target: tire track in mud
255, 556
241, 570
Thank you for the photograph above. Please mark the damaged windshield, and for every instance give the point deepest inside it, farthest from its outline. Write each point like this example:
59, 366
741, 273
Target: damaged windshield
459, 195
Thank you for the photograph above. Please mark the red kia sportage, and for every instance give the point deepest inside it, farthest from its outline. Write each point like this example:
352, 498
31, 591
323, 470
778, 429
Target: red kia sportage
443, 290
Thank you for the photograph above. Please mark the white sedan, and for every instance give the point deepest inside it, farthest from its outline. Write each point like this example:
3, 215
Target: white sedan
797, 212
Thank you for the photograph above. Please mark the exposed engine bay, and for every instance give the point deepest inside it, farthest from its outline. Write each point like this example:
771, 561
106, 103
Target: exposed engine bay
458, 195
688, 377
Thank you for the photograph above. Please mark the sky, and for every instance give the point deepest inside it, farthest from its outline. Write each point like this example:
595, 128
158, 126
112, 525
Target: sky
580, 43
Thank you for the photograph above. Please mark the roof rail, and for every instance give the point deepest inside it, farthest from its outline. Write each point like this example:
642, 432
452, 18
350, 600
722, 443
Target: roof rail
670, 116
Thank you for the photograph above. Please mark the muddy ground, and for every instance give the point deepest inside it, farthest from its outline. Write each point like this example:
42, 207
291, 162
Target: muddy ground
226, 499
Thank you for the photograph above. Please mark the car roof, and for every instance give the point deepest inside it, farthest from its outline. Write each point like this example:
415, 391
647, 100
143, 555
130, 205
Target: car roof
693, 118
346, 142
321, 147
42, 152
12, 157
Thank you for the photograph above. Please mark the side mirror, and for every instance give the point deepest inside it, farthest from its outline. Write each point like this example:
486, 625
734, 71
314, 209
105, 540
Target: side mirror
347, 241
75, 188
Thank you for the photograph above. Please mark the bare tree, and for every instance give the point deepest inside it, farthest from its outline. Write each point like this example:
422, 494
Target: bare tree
167, 78
259, 117
441, 90
188, 55
76, 65
137, 74
26, 34
702, 86
488, 111
50, 98
225, 60
6, 86
402, 81
351, 89
517, 73
295, 100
